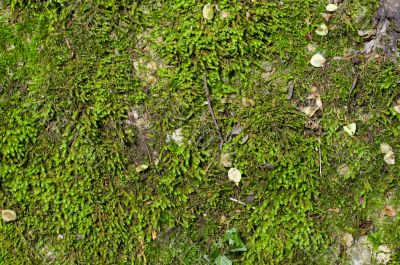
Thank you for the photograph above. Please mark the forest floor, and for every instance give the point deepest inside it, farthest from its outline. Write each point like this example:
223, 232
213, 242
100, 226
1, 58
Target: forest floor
120, 121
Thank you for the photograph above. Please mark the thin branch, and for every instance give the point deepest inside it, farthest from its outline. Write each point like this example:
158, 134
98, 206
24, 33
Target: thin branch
147, 147
237, 201
210, 108
320, 156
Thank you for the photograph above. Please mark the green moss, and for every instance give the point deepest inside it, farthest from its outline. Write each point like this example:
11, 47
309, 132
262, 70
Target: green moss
73, 77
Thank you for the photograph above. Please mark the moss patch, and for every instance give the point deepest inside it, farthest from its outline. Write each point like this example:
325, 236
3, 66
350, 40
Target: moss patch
90, 90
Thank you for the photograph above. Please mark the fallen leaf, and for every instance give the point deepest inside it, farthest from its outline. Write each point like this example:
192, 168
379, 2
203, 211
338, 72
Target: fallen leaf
385, 148
236, 130
245, 138
366, 33
318, 60
383, 248
343, 170
177, 136
151, 66
248, 102
326, 16
234, 175
8, 215
389, 210
322, 30
224, 14
223, 219
383, 256
350, 129
334, 210
268, 166
151, 80
311, 47
331, 8
226, 160
366, 226
389, 158
141, 168
309, 110
154, 234
397, 108
222, 260
208, 11
348, 240
315, 95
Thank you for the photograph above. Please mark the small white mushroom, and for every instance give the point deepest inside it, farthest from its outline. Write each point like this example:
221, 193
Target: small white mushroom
317, 60
8, 215
331, 8
234, 175
385, 148
208, 12
389, 158
322, 30
350, 129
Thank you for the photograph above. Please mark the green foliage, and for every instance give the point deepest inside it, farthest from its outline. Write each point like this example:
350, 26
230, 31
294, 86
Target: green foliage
72, 77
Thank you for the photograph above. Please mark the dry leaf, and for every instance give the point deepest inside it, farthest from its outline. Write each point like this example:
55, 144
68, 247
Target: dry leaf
383, 248
8, 215
177, 136
245, 138
236, 130
248, 102
343, 170
383, 256
350, 129
348, 240
309, 110
224, 14
226, 160
141, 168
311, 47
389, 158
151, 80
208, 11
389, 210
152, 66
154, 234
317, 60
322, 30
385, 148
315, 95
223, 219
326, 16
334, 210
366, 33
331, 8
234, 175
397, 108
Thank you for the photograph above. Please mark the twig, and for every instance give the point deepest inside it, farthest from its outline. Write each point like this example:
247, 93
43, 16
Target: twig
235, 200
320, 156
353, 86
240, 202
210, 108
147, 147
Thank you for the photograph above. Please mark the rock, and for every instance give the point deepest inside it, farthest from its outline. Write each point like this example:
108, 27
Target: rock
360, 253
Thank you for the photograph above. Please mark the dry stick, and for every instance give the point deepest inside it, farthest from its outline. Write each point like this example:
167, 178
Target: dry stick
320, 156
147, 147
210, 108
